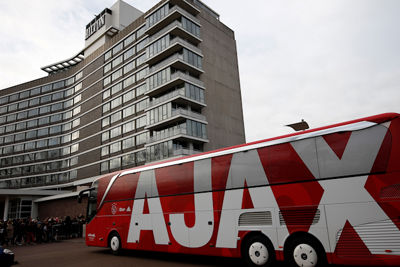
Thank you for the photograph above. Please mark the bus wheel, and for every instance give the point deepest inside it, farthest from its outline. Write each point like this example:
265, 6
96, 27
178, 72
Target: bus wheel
305, 252
257, 250
115, 243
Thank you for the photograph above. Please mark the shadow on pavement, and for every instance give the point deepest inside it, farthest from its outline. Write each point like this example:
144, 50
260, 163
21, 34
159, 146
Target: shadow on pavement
181, 258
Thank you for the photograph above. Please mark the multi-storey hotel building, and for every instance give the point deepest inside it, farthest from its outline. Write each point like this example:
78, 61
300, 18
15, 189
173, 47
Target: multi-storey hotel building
146, 87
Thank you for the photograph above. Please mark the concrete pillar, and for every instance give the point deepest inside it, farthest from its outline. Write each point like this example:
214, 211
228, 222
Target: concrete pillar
6, 204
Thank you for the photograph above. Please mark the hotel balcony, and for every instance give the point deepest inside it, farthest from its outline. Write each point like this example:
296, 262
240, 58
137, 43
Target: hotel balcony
174, 13
175, 133
174, 80
175, 45
176, 61
178, 96
186, 152
176, 116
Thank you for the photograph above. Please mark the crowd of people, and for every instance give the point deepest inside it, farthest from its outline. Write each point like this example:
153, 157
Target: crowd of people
33, 231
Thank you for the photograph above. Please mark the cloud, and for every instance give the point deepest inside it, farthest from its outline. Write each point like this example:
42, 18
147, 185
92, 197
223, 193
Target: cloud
322, 61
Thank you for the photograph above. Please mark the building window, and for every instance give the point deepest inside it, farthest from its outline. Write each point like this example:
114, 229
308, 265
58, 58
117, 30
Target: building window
58, 85
105, 151
107, 81
105, 122
115, 147
116, 88
129, 39
129, 81
74, 148
116, 75
129, 111
78, 76
157, 15
75, 135
23, 104
35, 91
128, 143
33, 102
104, 166
106, 94
141, 44
192, 58
158, 46
107, 68
115, 132
117, 61
140, 60
46, 88
105, 136
128, 160
141, 122
129, 96
130, 66
128, 127
116, 102
116, 117
107, 55
191, 26
129, 53
142, 138
117, 48
115, 163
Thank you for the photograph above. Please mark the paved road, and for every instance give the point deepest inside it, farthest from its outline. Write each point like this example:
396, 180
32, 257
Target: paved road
74, 252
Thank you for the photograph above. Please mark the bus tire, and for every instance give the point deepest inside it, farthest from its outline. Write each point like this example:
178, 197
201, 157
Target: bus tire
114, 242
305, 251
257, 250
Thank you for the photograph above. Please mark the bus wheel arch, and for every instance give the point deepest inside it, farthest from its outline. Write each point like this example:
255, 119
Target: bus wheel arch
304, 249
114, 242
257, 250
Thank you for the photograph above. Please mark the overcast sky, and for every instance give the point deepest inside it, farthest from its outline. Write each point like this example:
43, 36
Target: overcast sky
322, 61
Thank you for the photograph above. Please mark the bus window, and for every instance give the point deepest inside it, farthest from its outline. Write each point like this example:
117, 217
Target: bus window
92, 202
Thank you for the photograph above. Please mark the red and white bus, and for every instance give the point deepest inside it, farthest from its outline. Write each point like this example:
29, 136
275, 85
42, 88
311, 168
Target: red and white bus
326, 195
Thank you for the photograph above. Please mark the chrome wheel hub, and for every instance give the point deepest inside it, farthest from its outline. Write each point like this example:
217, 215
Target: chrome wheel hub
258, 253
305, 255
114, 243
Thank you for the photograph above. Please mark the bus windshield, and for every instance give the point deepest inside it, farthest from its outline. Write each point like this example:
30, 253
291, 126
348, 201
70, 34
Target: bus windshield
92, 202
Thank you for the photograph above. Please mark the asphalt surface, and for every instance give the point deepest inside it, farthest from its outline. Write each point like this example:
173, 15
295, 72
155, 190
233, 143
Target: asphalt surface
74, 252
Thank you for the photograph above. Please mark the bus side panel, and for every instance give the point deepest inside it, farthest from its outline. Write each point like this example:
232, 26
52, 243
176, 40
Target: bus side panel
363, 221
394, 161
180, 240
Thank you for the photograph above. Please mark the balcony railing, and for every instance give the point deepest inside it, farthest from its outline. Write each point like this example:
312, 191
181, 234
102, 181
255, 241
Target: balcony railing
171, 132
175, 115
186, 152
175, 76
165, 63
169, 17
189, 113
173, 42
188, 78
179, 92
165, 30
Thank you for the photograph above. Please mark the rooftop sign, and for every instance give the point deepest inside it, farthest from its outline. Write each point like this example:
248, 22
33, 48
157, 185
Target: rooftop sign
96, 23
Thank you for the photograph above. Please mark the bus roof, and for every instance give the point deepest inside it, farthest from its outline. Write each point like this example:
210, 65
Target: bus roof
368, 121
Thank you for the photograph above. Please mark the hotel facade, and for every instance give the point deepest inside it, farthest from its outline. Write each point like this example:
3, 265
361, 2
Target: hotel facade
146, 87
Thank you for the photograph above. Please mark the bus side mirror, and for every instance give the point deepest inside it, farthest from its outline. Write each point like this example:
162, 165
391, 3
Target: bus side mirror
81, 194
